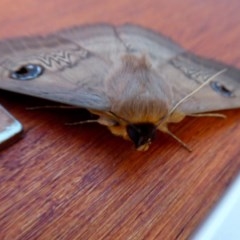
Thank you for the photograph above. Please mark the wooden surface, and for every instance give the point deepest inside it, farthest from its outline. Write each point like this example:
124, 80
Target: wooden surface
80, 182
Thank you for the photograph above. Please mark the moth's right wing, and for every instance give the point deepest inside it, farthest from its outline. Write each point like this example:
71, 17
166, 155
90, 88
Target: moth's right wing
70, 66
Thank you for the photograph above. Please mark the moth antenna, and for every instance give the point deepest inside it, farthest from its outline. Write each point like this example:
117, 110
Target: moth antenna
197, 89
184, 99
179, 140
219, 115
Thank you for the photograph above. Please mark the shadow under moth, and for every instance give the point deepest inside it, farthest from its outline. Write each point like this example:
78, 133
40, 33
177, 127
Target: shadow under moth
137, 81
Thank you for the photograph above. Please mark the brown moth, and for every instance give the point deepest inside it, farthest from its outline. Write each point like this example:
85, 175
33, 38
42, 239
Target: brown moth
137, 81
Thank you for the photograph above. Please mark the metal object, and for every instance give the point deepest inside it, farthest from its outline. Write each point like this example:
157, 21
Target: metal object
10, 128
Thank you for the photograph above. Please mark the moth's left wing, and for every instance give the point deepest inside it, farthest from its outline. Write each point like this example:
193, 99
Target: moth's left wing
187, 72
184, 72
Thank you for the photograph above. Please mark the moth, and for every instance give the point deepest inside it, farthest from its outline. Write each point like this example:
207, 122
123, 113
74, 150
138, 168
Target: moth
136, 80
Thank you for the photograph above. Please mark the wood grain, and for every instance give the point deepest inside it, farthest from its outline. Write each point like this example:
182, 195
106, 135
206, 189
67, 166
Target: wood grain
62, 182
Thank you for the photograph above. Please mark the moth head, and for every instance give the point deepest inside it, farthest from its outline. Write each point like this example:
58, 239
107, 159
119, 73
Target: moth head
141, 134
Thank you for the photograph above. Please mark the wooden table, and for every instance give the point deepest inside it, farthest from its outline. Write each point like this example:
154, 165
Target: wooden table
80, 182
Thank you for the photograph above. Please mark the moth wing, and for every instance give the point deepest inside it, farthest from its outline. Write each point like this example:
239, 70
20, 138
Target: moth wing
184, 72
75, 64
77, 61
187, 72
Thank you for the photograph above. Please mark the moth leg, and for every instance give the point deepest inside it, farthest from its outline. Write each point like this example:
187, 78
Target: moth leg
100, 120
52, 107
218, 115
175, 117
82, 122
